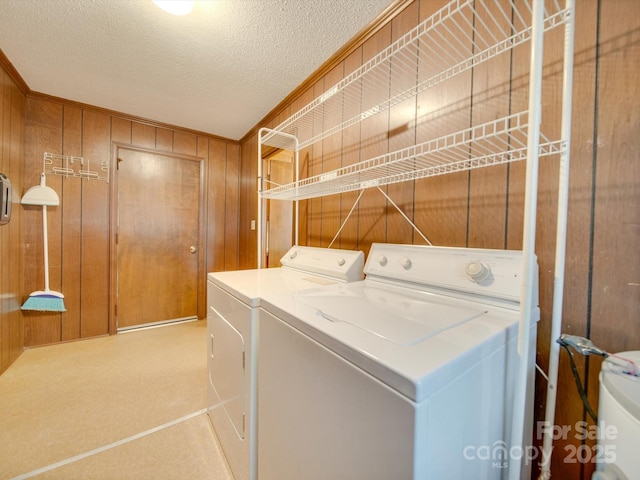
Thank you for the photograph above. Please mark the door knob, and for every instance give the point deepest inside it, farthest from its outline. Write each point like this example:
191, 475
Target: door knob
192, 249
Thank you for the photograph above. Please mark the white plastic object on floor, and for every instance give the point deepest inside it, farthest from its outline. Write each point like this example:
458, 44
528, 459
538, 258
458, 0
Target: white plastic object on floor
618, 421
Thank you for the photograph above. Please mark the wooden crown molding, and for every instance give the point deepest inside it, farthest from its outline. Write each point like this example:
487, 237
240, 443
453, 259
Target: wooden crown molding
392, 11
125, 116
13, 73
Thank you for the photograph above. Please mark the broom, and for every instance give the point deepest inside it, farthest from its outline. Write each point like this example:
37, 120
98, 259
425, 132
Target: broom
43, 300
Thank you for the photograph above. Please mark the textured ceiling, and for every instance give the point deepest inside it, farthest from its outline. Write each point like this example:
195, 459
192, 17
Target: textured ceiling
218, 70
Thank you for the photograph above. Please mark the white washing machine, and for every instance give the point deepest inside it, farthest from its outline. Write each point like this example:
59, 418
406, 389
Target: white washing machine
233, 300
408, 374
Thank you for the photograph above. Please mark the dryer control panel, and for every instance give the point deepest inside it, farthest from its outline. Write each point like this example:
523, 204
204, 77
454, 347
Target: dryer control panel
345, 265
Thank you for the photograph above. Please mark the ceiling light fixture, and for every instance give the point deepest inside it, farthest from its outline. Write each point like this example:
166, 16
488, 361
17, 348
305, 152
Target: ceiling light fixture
175, 7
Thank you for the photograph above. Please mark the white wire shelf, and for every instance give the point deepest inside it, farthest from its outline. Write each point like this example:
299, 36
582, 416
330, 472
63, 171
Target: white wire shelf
461, 35
493, 143
73, 166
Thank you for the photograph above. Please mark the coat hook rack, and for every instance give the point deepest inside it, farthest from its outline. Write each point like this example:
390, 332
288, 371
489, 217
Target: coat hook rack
72, 166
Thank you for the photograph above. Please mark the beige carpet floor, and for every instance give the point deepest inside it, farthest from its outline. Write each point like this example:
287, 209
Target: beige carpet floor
119, 407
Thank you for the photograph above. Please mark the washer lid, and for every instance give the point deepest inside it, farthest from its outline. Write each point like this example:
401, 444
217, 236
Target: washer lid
390, 315
414, 342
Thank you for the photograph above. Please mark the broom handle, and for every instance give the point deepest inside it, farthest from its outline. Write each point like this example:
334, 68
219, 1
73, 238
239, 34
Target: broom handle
46, 248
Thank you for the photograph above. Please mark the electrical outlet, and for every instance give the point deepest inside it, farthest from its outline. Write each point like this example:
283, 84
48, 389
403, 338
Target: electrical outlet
253, 224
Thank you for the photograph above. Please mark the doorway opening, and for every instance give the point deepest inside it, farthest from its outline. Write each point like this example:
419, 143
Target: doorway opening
278, 228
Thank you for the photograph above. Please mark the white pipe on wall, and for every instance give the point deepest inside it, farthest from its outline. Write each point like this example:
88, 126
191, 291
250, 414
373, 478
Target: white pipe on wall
259, 214
561, 243
297, 178
528, 242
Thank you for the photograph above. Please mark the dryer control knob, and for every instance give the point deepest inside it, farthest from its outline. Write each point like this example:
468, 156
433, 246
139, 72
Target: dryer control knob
293, 254
382, 260
477, 271
341, 262
406, 263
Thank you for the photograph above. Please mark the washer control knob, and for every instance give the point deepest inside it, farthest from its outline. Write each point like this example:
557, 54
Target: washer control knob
341, 262
293, 254
382, 260
477, 271
405, 262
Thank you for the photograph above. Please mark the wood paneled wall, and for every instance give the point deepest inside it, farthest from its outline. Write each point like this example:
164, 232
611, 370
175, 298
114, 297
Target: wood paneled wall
484, 208
79, 227
12, 102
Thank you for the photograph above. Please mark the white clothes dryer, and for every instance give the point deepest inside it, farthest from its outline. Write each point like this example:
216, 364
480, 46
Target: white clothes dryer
408, 374
233, 301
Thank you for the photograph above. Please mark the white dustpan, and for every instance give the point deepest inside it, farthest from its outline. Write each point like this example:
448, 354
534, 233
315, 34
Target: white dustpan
41, 195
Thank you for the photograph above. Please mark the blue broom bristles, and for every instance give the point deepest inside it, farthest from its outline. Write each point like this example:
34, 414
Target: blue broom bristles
44, 303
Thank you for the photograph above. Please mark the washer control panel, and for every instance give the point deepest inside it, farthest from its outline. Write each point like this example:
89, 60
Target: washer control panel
477, 271
495, 273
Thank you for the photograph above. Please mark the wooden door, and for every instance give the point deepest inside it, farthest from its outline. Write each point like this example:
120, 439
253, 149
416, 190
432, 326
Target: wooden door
157, 238
279, 213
